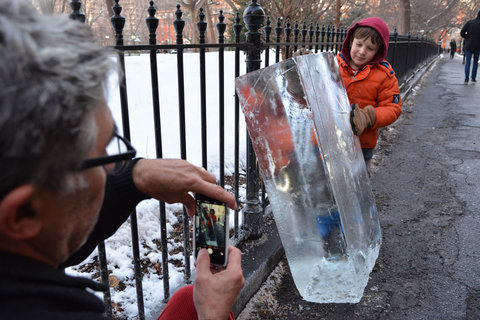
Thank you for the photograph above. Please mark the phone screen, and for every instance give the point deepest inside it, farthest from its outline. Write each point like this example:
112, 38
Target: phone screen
211, 227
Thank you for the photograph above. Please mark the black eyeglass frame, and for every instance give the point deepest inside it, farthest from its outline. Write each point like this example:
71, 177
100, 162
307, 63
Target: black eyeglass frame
104, 160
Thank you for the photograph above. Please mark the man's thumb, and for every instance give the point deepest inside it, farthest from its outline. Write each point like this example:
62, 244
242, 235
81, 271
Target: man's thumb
203, 260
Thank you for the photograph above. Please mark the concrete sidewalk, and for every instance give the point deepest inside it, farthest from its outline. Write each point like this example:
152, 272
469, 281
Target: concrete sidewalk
260, 257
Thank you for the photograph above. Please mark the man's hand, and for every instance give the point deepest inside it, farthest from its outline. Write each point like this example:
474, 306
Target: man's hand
361, 119
173, 180
214, 293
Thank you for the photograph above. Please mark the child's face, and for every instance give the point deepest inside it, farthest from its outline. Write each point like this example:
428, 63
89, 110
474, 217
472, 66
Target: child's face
362, 51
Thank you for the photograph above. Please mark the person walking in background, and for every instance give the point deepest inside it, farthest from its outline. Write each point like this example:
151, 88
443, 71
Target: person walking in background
471, 33
453, 48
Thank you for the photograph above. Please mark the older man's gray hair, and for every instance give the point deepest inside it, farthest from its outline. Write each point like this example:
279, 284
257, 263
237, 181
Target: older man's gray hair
52, 77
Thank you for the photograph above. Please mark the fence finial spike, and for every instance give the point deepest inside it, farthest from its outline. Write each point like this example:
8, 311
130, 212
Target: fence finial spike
221, 17
77, 14
152, 10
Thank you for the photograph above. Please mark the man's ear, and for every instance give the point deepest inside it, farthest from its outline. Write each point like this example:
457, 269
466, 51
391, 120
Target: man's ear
18, 219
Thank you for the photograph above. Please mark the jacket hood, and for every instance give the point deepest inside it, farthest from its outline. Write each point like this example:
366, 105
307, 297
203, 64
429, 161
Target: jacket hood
376, 23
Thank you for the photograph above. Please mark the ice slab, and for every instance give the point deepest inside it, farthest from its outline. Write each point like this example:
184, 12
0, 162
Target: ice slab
298, 116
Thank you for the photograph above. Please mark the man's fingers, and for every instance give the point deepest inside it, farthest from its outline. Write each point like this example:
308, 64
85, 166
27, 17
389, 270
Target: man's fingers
208, 188
216, 192
189, 203
234, 257
234, 267
173, 180
203, 261
206, 175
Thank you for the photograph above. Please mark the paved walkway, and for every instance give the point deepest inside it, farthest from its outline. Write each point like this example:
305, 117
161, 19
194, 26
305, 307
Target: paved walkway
427, 187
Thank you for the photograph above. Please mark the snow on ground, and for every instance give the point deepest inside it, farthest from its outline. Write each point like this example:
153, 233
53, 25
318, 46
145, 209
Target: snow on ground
118, 247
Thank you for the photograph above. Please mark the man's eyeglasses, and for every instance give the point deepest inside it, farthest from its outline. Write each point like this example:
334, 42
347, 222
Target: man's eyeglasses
119, 151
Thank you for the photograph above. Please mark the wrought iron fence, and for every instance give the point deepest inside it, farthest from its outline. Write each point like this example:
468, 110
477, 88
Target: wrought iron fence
405, 53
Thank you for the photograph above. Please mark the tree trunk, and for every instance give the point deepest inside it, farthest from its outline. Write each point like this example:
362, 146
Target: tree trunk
338, 13
287, 11
404, 23
46, 6
64, 6
193, 9
210, 26
232, 5
194, 18
109, 4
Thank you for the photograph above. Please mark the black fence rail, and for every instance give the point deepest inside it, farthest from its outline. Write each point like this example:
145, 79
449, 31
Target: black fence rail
406, 54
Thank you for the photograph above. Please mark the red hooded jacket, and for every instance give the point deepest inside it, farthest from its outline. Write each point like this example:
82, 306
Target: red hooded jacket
375, 84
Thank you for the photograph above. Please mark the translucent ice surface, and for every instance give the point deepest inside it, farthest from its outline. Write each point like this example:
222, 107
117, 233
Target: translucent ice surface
298, 117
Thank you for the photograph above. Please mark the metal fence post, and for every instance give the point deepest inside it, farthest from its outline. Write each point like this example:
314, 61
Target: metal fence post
221, 27
179, 25
118, 23
395, 38
237, 29
296, 32
288, 32
407, 66
268, 30
278, 33
317, 36
202, 28
253, 17
76, 13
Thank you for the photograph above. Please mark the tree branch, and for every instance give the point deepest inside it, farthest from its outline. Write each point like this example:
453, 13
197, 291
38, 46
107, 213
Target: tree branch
442, 13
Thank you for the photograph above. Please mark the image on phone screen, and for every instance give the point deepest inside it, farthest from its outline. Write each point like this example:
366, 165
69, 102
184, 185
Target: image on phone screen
210, 229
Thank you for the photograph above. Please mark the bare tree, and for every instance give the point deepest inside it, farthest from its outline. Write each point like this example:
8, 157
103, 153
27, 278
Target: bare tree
193, 7
436, 18
135, 30
404, 14
211, 24
109, 6
338, 12
232, 4
50, 6
306, 10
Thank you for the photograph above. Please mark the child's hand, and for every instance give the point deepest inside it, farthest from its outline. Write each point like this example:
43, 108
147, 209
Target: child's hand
301, 52
360, 119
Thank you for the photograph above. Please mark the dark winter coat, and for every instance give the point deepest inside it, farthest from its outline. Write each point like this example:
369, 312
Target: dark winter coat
471, 33
32, 290
453, 46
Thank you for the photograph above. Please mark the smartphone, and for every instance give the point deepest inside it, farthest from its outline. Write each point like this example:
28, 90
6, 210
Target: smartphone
211, 229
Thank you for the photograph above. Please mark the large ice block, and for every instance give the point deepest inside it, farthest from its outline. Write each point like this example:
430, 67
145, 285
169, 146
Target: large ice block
298, 116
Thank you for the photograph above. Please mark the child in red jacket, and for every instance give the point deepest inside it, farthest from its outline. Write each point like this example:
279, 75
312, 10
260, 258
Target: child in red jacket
372, 87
